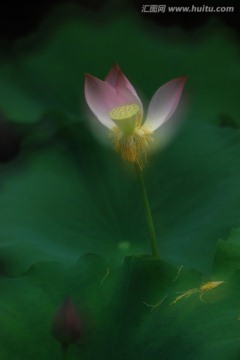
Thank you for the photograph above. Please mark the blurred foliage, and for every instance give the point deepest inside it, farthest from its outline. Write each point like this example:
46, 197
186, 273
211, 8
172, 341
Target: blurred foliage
65, 197
139, 310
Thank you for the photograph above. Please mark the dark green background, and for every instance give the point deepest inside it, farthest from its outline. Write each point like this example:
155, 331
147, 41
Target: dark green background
71, 210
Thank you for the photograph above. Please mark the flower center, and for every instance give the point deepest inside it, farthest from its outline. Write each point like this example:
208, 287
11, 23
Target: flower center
132, 147
126, 117
124, 112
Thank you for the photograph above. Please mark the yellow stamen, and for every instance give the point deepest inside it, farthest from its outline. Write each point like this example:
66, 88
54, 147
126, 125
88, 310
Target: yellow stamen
132, 147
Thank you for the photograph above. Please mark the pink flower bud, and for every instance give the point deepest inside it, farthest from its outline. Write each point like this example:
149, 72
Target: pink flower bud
66, 326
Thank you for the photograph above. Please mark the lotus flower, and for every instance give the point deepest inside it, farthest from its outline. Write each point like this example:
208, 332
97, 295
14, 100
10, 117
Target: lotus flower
66, 326
116, 104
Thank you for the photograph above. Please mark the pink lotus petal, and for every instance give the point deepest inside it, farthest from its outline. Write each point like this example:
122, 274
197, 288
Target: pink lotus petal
101, 98
112, 76
164, 103
124, 88
126, 92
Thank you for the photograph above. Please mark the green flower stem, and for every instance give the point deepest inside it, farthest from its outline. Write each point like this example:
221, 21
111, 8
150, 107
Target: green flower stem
64, 350
148, 213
